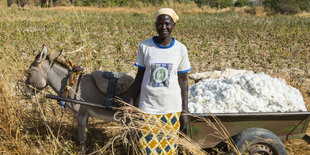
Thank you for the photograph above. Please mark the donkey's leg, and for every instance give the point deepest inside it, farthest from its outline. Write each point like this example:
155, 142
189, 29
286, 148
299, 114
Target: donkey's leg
82, 121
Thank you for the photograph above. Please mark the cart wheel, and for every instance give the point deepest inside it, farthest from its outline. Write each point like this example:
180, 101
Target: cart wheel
258, 141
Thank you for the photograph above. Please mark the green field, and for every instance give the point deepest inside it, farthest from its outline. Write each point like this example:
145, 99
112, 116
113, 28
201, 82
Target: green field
276, 45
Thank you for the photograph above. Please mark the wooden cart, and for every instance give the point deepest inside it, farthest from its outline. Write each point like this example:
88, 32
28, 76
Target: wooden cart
259, 133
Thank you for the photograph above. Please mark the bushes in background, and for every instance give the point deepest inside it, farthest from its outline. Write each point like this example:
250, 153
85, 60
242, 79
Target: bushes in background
281, 6
240, 3
287, 6
108, 3
215, 3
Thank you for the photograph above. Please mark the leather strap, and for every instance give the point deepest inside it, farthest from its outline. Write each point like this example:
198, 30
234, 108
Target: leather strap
111, 89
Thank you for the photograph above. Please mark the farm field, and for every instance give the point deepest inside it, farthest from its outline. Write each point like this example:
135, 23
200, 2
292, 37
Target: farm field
103, 40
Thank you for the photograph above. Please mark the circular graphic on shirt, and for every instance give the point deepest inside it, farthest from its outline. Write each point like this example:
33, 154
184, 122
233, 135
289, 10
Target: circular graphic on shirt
160, 74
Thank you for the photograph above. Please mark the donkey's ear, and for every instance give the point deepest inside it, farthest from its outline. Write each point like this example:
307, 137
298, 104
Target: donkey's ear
60, 53
42, 55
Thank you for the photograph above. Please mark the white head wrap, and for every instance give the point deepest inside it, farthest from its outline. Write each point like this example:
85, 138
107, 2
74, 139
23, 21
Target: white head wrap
167, 11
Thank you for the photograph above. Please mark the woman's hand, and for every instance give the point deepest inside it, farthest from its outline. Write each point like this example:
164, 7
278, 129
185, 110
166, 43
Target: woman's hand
183, 82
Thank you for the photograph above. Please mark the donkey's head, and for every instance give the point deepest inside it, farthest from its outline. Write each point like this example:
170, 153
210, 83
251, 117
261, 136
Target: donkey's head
37, 72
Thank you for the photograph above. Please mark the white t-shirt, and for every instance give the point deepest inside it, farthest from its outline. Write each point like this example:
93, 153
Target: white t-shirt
160, 89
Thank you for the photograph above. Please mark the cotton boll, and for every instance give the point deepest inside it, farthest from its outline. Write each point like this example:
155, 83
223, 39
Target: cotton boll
191, 107
245, 93
199, 92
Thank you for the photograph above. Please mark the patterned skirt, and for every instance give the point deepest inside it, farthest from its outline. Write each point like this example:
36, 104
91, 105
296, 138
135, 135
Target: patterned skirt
158, 135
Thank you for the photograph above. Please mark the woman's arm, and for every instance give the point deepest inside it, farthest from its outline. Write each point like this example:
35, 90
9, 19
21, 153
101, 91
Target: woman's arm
136, 88
183, 82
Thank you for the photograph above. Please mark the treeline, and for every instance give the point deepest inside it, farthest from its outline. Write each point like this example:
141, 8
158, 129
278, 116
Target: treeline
105, 3
97, 3
281, 6
287, 6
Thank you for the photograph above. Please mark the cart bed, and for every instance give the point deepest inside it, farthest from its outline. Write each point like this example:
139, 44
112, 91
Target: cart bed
292, 125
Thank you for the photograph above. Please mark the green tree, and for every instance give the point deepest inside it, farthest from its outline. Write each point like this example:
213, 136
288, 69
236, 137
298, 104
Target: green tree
304, 5
287, 6
21, 3
240, 3
215, 3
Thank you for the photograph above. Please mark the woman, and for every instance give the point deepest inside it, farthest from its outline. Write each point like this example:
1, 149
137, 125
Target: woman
161, 82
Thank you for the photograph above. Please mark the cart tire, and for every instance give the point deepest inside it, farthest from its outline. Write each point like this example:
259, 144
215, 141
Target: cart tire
259, 141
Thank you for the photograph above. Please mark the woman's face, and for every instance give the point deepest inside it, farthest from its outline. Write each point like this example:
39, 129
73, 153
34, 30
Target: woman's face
164, 26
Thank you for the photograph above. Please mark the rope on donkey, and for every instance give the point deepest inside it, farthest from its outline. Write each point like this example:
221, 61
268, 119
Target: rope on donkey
71, 80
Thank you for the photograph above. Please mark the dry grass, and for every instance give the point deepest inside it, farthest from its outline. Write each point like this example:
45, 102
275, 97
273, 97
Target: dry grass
303, 14
259, 11
99, 39
182, 8
187, 8
30, 126
109, 9
298, 146
256, 11
130, 120
49, 132
132, 116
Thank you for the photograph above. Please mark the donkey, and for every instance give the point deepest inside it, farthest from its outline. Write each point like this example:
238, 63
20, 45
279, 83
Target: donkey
47, 70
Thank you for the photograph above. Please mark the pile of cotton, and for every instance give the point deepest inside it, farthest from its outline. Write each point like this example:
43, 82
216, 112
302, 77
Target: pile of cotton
244, 93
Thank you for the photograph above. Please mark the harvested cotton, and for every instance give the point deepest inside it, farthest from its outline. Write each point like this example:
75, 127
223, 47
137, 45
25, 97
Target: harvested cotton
244, 93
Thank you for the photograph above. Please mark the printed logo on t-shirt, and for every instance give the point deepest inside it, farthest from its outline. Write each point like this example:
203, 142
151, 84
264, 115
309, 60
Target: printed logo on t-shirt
160, 74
